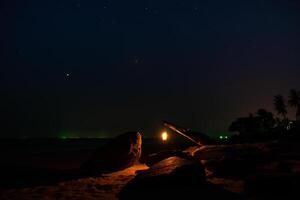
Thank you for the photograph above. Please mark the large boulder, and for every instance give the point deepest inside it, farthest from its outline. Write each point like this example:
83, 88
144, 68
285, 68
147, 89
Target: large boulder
234, 161
173, 178
259, 151
120, 153
157, 157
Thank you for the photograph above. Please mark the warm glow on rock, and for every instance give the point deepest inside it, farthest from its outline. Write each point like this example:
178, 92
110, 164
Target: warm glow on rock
164, 136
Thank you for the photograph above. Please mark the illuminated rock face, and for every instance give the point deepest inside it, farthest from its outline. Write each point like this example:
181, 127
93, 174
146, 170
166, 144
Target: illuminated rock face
173, 178
120, 153
157, 157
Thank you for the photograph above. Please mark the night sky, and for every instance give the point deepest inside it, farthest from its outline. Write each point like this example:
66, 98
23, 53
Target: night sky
98, 68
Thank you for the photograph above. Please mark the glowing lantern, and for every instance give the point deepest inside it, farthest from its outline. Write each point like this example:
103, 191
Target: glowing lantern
164, 136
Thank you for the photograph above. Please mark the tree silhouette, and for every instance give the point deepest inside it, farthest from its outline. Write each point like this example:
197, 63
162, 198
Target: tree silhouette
280, 106
265, 122
267, 119
249, 125
294, 101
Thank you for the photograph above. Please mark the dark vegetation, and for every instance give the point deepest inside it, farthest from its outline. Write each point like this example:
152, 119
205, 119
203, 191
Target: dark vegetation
264, 125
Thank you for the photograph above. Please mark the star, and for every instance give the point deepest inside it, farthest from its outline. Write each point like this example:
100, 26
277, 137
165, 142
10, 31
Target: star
136, 60
147, 10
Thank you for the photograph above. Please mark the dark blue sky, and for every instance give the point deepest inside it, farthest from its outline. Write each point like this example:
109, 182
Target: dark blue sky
132, 63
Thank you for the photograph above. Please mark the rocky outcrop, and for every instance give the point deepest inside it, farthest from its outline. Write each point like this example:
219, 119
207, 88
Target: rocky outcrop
120, 153
259, 151
157, 157
173, 178
233, 161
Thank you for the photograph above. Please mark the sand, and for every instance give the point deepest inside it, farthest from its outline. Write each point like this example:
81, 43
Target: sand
104, 187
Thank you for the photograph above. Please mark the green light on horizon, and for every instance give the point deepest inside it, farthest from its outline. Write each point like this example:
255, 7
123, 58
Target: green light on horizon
223, 137
63, 135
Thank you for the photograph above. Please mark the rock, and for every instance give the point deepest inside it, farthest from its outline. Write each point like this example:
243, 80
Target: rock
120, 153
157, 157
231, 168
173, 178
191, 170
273, 186
234, 161
258, 152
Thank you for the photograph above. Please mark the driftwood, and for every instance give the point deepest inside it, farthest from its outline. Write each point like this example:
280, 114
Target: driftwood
196, 137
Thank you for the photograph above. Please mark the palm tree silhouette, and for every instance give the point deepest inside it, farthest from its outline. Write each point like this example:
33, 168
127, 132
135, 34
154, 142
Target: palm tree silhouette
294, 101
280, 106
267, 118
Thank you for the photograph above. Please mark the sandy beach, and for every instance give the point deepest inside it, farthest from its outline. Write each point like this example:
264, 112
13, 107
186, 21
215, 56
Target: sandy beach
103, 187
48, 169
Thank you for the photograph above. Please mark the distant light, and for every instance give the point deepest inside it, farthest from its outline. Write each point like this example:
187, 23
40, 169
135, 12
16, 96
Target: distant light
164, 136
67, 74
288, 127
223, 137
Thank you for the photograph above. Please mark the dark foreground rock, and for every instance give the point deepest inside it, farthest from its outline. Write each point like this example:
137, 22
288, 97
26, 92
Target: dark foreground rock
273, 186
121, 153
234, 161
257, 152
173, 178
